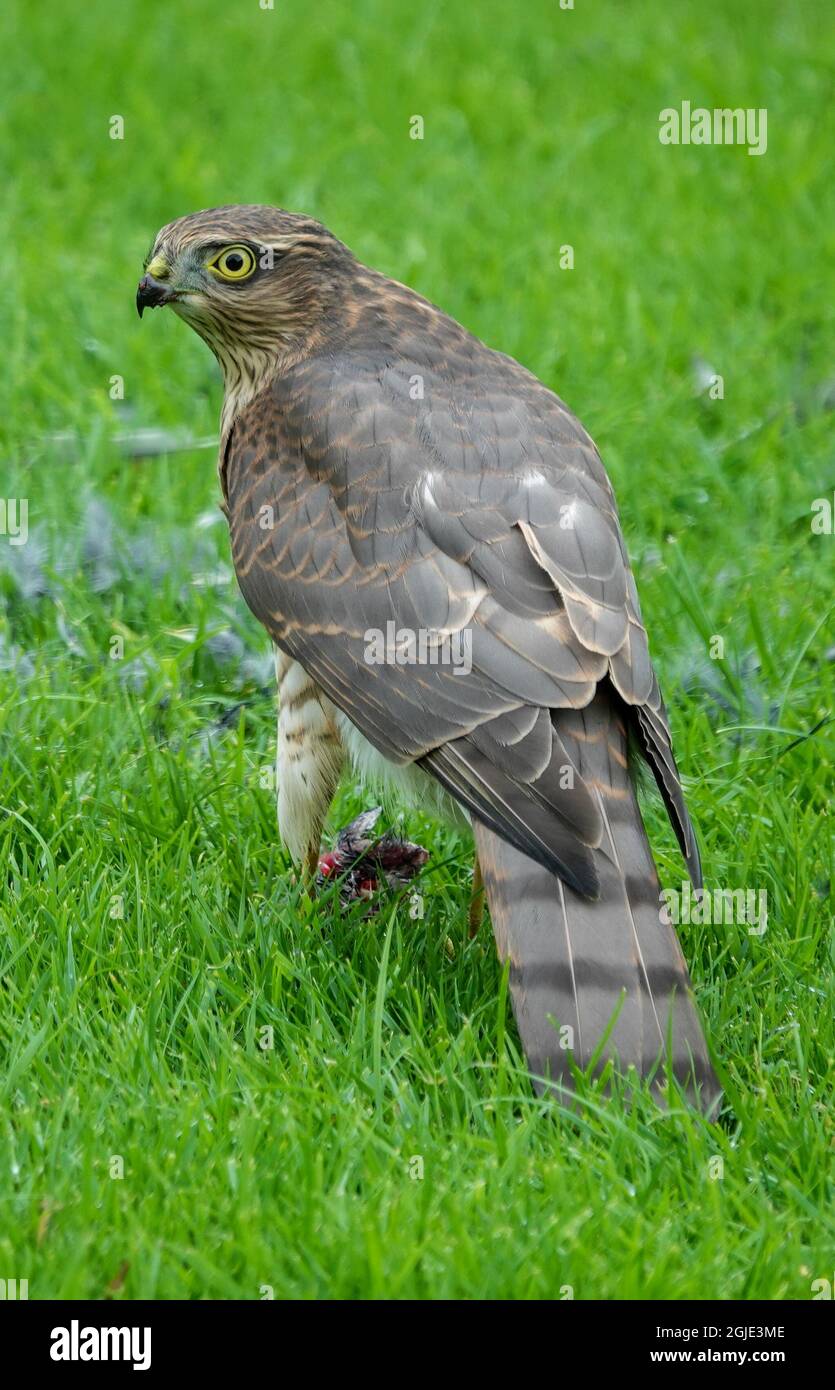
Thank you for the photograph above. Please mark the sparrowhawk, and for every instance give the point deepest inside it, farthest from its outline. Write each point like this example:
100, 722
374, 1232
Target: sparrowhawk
383, 470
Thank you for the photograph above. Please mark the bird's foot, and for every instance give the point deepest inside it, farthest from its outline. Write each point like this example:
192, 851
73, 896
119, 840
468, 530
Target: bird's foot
476, 912
310, 869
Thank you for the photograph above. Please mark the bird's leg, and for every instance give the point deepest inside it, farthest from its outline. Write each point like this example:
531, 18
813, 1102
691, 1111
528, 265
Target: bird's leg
311, 868
476, 911
309, 763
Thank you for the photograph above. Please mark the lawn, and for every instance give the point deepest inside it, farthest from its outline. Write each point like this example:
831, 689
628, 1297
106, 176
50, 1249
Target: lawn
212, 1088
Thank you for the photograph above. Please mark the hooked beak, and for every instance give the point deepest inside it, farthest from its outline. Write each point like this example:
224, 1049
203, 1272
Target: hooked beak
151, 294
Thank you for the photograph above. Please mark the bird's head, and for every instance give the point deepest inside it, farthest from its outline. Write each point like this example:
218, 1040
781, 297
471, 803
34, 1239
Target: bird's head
254, 282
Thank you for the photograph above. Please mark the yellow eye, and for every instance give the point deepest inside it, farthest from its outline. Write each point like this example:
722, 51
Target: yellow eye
233, 263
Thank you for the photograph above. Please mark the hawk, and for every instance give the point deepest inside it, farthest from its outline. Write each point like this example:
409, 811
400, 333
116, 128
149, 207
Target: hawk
382, 470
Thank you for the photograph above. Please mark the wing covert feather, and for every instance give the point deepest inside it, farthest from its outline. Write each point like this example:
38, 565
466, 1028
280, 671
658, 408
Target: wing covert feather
478, 510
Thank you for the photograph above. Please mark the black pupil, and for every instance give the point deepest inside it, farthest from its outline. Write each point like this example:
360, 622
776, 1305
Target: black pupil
234, 261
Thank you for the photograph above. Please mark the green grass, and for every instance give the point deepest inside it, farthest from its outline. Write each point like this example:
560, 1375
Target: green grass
150, 926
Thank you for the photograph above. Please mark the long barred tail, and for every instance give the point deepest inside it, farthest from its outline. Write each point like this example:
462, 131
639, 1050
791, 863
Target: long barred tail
575, 964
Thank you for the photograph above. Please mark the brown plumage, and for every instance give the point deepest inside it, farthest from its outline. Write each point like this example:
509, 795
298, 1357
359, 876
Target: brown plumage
379, 464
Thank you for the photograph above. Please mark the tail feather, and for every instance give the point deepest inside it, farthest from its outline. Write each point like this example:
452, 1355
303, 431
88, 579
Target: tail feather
578, 967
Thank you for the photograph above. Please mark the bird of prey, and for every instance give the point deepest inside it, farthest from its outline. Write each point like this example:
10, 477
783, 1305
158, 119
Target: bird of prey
383, 471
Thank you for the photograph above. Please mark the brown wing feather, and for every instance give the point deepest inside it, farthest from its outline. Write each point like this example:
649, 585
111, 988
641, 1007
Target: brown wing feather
476, 504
